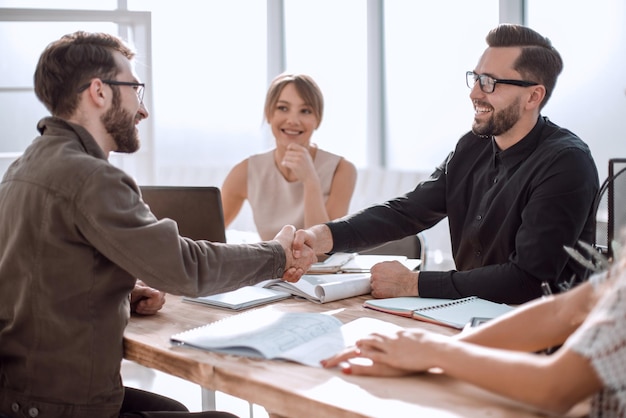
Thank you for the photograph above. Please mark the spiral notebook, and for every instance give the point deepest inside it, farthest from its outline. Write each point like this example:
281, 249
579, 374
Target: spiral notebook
455, 313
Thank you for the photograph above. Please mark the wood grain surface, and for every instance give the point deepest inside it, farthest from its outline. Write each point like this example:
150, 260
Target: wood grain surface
294, 390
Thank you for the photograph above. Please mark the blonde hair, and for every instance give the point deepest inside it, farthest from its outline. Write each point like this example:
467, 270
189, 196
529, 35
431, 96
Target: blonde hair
306, 88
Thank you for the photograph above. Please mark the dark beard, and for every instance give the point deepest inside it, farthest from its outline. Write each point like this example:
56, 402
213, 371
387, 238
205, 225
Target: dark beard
121, 126
499, 123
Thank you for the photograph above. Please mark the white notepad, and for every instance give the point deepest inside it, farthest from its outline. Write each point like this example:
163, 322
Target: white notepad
243, 298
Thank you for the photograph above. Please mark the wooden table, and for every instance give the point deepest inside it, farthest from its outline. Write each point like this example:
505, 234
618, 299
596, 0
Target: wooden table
295, 390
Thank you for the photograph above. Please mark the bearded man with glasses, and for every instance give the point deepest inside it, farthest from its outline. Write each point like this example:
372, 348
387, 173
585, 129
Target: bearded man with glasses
516, 189
76, 236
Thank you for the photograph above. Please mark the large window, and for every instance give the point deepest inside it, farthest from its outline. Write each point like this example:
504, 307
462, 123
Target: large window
24, 33
328, 40
206, 64
589, 98
20, 110
429, 46
209, 68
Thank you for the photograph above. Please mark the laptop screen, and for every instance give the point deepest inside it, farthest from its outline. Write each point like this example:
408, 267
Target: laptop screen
196, 210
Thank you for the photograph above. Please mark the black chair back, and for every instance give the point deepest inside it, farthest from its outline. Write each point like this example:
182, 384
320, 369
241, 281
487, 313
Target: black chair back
197, 210
610, 207
412, 246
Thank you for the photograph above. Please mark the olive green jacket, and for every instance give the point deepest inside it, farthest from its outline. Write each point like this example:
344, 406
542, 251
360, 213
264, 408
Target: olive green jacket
74, 236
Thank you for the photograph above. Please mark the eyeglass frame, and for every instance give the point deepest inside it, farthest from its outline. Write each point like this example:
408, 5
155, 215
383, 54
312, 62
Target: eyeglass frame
478, 77
141, 87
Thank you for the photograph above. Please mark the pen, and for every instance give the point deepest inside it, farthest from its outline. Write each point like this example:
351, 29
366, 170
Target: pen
545, 288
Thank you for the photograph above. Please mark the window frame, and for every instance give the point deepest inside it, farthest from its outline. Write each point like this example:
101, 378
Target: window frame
136, 25
133, 25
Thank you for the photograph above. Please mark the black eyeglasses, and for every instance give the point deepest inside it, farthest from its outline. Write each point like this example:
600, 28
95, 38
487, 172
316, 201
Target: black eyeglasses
488, 84
139, 87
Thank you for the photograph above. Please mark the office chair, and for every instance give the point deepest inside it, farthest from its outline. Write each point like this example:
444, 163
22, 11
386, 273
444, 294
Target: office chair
412, 246
610, 207
196, 210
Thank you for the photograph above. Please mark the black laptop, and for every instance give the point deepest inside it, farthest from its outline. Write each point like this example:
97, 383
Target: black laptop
196, 210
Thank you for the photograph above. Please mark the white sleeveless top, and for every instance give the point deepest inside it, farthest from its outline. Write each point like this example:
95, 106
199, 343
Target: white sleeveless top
276, 202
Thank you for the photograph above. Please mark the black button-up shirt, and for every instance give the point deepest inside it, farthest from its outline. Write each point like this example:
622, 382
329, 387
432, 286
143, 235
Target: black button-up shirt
510, 214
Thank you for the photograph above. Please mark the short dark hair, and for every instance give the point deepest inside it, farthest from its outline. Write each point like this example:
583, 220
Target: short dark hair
306, 88
539, 61
72, 61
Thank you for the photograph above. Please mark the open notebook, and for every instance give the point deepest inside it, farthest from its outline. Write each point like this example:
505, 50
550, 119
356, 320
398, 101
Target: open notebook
318, 288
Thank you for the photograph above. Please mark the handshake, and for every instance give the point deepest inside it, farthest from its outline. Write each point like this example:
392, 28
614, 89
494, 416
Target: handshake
301, 248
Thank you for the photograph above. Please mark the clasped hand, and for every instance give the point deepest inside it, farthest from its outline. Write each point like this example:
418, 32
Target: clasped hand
298, 259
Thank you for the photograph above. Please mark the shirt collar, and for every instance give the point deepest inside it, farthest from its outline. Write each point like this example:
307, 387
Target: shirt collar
57, 126
521, 150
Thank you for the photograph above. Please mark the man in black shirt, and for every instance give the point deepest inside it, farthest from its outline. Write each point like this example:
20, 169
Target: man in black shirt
516, 189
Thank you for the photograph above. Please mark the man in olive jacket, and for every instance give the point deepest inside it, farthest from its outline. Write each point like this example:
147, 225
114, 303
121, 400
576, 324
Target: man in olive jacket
75, 236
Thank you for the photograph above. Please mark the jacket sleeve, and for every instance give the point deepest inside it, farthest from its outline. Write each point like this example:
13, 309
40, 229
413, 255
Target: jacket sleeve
116, 222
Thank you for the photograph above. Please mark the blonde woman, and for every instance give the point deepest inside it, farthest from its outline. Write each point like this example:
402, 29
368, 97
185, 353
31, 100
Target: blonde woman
295, 183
